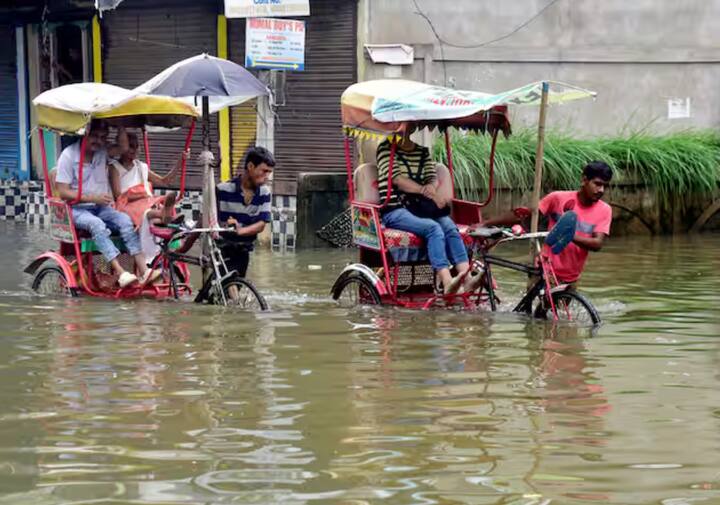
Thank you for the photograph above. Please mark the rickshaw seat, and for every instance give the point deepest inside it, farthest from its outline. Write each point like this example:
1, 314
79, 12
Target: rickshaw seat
366, 184
162, 232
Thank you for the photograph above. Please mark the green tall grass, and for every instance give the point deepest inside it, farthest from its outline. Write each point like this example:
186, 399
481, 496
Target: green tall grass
674, 164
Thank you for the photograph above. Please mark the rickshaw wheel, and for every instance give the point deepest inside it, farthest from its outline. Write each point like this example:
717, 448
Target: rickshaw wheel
50, 280
354, 291
240, 293
570, 306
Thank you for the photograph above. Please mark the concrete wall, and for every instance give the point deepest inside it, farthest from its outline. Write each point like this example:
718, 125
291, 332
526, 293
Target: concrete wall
636, 55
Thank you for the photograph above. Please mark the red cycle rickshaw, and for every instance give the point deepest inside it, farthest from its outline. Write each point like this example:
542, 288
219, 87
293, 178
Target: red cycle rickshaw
76, 267
394, 268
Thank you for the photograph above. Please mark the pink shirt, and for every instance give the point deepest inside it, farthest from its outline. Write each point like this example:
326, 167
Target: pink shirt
596, 218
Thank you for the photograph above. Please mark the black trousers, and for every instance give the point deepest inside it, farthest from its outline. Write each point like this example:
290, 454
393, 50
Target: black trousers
236, 256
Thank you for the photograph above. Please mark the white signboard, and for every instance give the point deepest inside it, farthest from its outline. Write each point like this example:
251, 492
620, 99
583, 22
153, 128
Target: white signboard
265, 8
275, 44
678, 108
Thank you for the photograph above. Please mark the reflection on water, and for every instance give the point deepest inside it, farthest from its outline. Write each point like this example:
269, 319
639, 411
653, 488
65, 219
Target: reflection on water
166, 403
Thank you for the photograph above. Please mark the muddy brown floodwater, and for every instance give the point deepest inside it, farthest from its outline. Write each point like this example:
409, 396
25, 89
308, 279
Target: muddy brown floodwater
171, 403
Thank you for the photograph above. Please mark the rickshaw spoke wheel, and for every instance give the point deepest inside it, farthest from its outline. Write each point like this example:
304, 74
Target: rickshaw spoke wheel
51, 281
242, 294
355, 291
570, 306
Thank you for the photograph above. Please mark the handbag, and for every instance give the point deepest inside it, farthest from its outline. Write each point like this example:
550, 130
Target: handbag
420, 205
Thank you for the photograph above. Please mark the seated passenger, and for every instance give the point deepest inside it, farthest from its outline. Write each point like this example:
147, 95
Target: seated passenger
94, 212
418, 207
131, 181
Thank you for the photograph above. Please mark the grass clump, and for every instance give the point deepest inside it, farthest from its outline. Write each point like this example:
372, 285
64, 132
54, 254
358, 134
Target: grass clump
674, 164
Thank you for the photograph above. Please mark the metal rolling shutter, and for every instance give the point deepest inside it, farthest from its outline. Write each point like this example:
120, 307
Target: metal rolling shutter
9, 142
243, 118
142, 38
308, 133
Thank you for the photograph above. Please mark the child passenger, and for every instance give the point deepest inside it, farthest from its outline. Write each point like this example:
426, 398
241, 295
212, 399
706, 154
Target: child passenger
131, 181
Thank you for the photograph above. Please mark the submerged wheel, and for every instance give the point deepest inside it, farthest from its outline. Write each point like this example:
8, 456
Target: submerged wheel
50, 280
355, 290
570, 306
240, 293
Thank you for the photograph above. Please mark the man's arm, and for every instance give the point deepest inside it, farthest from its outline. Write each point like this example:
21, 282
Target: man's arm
594, 243
251, 229
114, 181
69, 195
600, 233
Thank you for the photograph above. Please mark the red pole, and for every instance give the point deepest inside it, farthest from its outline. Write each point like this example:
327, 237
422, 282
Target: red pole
491, 171
349, 168
184, 159
80, 171
46, 173
448, 150
146, 145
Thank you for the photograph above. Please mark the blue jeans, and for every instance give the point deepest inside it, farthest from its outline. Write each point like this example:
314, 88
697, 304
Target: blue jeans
100, 220
441, 236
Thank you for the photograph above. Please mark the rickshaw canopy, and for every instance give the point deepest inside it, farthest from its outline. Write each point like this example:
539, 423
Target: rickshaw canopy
389, 107
70, 108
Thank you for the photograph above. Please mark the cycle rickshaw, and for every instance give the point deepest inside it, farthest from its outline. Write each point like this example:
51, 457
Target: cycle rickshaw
393, 267
76, 267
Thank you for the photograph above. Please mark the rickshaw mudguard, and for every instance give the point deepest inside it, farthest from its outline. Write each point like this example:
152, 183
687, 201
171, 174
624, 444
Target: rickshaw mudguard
366, 272
59, 260
559, 288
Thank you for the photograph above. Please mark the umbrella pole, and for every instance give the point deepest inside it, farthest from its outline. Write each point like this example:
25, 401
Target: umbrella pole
539, 155
209, 212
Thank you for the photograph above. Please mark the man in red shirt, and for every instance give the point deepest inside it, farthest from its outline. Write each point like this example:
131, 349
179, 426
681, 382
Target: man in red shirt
593, 219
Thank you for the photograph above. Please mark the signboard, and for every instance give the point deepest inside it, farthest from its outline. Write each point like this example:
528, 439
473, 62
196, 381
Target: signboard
365, 232
275, 44
265, 8
60, 225
678, 108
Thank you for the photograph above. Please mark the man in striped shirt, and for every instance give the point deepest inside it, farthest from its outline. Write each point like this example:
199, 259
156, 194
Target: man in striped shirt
414, 173
244, 205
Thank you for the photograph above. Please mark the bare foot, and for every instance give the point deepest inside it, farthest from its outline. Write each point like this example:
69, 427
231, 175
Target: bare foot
168, 207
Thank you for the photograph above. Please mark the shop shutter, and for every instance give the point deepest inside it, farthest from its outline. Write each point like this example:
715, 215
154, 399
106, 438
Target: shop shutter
9, 142
142, 38
308, 133
243, 118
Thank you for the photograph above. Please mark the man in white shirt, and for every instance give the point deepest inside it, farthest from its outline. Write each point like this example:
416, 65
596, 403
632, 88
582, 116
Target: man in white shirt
94, 212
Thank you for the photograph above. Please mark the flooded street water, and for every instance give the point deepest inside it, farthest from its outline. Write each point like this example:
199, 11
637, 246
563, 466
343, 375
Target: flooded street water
170, 403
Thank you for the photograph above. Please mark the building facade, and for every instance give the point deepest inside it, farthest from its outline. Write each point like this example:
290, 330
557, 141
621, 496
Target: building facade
68, 42
654, 64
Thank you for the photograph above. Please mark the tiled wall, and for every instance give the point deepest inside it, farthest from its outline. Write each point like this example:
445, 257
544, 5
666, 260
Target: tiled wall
284, 210
13, 198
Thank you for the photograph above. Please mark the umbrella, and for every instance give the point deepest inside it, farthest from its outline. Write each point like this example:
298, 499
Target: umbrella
224, 83
220, 83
